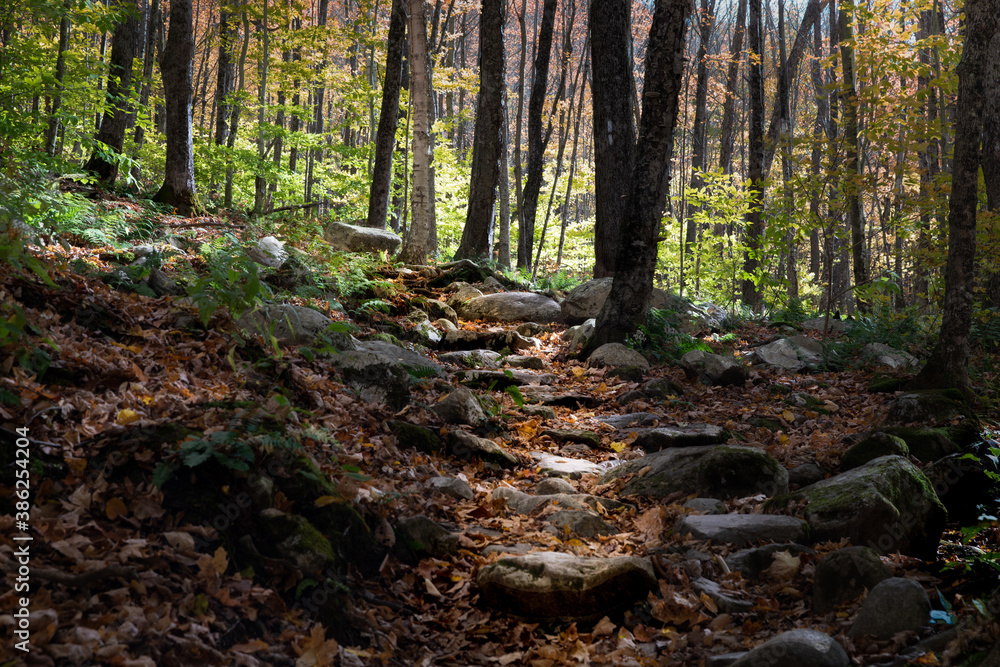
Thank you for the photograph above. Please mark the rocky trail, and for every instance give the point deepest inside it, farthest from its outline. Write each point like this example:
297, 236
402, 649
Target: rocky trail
205, 497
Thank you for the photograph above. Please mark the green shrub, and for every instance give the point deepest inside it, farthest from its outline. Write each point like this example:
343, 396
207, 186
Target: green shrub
661, 338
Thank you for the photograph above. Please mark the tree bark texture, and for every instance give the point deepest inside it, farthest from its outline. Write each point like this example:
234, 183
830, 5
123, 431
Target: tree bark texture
417, 245
52, 133
852, 163
536, 143
614, 124
488, 138
626, 305
732, 80
699, 135
385, 142
949, 362
116, 107
178, 182
755, 219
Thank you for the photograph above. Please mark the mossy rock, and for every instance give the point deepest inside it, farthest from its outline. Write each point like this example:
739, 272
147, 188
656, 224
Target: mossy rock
938, 406
887, 504
416, 436
295, 539
926, 443
887, 385
627, 373
711, 471
387, 338
871, 447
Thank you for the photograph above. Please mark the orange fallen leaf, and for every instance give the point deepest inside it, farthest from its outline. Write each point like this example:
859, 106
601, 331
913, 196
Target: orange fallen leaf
115, 508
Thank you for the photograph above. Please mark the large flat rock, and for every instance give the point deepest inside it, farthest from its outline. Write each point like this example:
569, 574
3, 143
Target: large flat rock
550, 585
511, 307
743, 529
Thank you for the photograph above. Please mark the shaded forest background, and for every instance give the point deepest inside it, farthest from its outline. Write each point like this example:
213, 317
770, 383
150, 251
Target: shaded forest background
288, 97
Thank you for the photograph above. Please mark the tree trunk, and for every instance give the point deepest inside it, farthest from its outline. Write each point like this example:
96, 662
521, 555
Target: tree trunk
819, 131
536, 143
949, 362
732, 80
625, 307
755, 221
785, 135
991, 171
319, 97
112, 133
503, 237
417, 245
226, 78
614, 124
52, 133
487, 142
699, 134
852, 162
385, 142
260, 181
518, 171
178, 183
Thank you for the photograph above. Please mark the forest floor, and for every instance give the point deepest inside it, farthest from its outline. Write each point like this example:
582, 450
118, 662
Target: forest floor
119, 574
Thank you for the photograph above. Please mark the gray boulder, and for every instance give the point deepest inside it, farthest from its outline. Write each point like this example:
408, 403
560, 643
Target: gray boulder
714, 369
162, 284
460, 407
377, 379
290, 324
844, 574
925, 443
894, 605
511, 307
466, 446
578, 522
555, 397
525, 361
351, 238
725, 600
719, 471
471, 358
928, 407
796, 648
494, 339
550, 585
665, 437
871, 447
880, 354
743, 529
887, 504
580, 334
631, 421
794, 354
962, 485
412, 362
553, 485
419, 536
462, 293
616, 355
585, 301
704, 506
445, 325
452, 486
559, 466
269, 251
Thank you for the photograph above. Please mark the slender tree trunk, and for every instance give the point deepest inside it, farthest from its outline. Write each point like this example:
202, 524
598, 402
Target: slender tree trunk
991, 171
785, 136
319, 100
852, 163
536, 144
417, 245
614, 124
378, 197
119, 87
488, 143
152, 22
503, 238
178, 183
699, 134
949, 362
755, 221
54, 123
572, 169
226, 77
819, 131
626, 305
732, 81
518, 167
260, 181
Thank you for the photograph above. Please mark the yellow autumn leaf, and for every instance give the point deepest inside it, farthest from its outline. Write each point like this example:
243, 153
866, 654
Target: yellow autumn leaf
709, 603
574, 542
126, 416
784, 439
323, 501
577, 371
788, 416
618, 447
220, 561
115, 508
